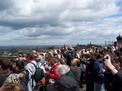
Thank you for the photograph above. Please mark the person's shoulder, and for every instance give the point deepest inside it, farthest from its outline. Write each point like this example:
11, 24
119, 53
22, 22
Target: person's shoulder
75, 68
13, 78
30, 65
2, 79
67, 82
98, 60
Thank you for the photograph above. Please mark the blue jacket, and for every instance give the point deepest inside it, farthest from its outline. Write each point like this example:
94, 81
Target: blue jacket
98, 74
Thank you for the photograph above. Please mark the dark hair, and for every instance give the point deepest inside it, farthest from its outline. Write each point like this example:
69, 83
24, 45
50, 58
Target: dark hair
99, 55
30, 56
4, 62
20, 64
48, 56
55, 59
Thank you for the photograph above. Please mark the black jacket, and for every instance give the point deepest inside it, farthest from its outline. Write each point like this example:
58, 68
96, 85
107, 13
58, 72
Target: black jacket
117, 81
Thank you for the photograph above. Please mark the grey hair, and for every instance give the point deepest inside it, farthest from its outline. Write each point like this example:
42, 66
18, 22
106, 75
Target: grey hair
63, 69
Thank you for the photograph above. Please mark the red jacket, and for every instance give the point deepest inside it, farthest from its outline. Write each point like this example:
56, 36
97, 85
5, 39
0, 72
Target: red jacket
53, 74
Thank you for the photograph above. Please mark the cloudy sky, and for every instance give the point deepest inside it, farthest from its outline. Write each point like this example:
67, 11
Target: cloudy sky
54, 22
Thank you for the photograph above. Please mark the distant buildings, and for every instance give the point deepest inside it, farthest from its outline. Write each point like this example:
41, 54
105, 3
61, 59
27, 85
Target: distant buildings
119, 40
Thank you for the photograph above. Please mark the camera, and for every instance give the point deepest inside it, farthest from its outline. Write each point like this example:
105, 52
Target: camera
105, 58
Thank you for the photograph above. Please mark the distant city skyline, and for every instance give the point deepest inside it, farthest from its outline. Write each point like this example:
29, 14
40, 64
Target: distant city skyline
58, 22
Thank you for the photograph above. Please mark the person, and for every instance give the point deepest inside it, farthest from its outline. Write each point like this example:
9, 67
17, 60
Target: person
116, 71
19, 69
67, 56
4, 70
53, 74
30, 58
63, 69
89, 72
42, 61
4, 67
75, 70
98, 73
66, 82
11, 87
5, 73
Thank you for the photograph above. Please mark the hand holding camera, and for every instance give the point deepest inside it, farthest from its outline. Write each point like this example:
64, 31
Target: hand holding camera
107, 60
109, 65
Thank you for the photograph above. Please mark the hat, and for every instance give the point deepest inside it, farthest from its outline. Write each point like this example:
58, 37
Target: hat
64, 83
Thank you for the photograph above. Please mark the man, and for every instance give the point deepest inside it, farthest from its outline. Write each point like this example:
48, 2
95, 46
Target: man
75, 70
54, 64
31, 69
98, 73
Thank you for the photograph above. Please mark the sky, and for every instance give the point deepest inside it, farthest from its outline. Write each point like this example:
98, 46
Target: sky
58, 22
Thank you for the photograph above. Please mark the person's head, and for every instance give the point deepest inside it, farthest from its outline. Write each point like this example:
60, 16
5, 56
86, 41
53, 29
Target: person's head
116, 63
99, 55
11, 87
74, 62
18, 65
48, 57
63, 69
30, 56
4, 63
53, 61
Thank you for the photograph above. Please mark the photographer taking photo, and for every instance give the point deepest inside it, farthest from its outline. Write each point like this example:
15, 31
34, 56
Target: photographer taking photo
116, 70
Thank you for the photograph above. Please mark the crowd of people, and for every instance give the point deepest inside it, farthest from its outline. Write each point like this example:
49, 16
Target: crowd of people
63, 69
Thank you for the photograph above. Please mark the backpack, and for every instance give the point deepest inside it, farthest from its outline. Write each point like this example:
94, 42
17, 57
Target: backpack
39, 73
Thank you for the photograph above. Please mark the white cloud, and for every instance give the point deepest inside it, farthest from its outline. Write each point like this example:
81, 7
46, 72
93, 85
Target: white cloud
59, 21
